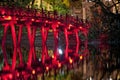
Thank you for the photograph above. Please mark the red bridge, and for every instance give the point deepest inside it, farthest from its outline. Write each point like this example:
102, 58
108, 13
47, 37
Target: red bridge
45, 22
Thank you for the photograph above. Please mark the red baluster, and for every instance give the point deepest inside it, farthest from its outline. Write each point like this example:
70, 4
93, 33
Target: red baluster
33, 42
46, 51
77, 41
55, 33
14, 45
44, 33
18, 45
67, 43
3, 47
31, 37
30, 44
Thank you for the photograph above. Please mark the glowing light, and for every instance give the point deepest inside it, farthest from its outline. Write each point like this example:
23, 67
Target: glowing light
70, 61
59, 22
39, 59
81, 57
54, 30
46, 21
53, 56
7, 17
59, 65
70, 25
47, 68
17, 19
80, 27
18, 74
60, 51
33, 19
110, 78
10, 76
107, 0
33, 71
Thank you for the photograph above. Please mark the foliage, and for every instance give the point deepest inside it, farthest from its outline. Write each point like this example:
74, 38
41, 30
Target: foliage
16, 3
107, 22
59, 6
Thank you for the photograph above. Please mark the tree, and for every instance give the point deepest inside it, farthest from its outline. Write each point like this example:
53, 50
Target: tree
16, 3
107, 21
62, 7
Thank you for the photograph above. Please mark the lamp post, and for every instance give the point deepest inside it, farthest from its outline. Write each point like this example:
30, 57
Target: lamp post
84, 61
